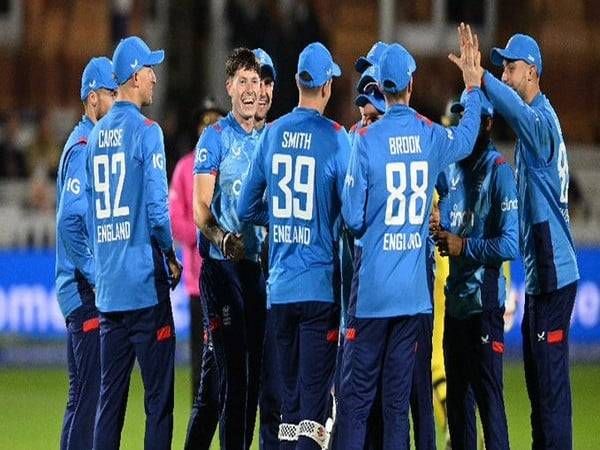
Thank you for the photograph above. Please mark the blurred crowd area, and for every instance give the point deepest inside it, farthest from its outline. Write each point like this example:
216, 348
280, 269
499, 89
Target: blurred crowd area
44, 45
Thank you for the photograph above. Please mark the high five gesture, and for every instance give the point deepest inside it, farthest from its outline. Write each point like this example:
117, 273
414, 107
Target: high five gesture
469, 61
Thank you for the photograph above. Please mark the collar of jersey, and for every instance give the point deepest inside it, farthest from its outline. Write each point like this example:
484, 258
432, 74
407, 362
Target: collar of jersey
236, 126
86, 121
538, 100
398, 109
306, 110
125, 104
481, 161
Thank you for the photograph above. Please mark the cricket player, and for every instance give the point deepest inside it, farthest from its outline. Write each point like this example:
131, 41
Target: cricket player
133, 252
270, 385
371, 106
301, 164
548, 251
75, 271
479, 231
232, 282
392, 164
204, 417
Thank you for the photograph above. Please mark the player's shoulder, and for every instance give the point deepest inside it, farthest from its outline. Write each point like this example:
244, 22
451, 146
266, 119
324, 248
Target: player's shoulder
498, 164
426, 121
212, 135
333, 126
494, 157
78, 138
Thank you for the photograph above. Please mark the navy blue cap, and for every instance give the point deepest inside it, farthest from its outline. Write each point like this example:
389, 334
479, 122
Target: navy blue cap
131, 55
486, 107
519, 47
98, 74
316, 66
371, 75
265, 61
372, 58
396, 67
375, 98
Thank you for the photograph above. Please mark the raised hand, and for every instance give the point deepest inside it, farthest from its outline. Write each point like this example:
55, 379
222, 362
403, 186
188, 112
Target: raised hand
469, 61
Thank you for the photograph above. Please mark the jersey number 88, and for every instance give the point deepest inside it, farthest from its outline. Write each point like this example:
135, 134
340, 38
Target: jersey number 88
419, 172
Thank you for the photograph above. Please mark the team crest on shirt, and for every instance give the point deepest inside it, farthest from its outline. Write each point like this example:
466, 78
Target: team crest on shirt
454, 182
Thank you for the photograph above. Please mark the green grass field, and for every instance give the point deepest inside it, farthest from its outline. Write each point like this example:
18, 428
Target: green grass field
32, 402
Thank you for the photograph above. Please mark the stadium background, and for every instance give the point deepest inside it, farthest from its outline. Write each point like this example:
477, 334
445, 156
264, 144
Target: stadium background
44, 45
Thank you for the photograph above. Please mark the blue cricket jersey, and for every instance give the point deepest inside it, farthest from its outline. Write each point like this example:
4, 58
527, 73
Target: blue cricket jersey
478, 201
127, 190
346, 249
387, 202
75, 275
301, 161
543, 185
226, 150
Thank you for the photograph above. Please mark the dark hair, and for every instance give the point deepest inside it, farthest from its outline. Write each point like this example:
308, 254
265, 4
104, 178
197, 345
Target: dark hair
241, 58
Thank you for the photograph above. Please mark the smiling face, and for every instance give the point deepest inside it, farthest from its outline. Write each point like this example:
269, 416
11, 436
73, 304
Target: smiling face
265, 99
244, 90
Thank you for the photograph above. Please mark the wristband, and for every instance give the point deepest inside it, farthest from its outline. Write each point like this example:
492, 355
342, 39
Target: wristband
224, 241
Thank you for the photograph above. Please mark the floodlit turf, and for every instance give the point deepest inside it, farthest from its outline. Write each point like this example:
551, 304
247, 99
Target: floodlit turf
32, 402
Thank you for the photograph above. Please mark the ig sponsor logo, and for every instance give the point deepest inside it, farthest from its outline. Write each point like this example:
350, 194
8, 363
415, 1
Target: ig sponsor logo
73, 185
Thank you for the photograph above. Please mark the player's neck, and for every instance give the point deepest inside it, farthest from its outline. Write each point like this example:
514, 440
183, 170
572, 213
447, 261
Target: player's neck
311, 103
128, 95
246, 124
90, 114
260, 124
531, 93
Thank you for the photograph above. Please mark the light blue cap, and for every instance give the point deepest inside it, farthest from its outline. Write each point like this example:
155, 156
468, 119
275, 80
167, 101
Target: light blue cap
396, 67
519, 47
98, 74
372, 58
486, 107
131, 55
316, 66
265, 61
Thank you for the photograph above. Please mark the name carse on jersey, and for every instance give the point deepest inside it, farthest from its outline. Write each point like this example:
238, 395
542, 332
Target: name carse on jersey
107, 170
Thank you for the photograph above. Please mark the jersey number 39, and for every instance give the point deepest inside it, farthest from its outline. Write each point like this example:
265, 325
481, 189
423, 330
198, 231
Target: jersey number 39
301, 174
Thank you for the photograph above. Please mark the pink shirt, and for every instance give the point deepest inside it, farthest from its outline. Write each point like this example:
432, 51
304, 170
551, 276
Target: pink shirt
182, 220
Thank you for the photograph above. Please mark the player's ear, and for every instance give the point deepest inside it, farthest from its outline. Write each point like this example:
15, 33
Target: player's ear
92, 99
135, 78
229, 85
